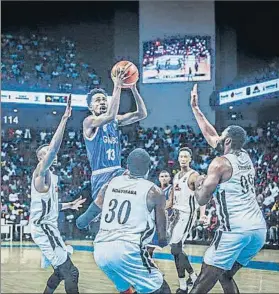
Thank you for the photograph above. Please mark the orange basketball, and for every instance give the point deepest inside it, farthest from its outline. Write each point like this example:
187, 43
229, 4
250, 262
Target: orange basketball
131, 73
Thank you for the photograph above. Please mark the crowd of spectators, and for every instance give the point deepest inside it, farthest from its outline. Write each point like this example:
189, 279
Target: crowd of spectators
37, 62
270, 72
18, 162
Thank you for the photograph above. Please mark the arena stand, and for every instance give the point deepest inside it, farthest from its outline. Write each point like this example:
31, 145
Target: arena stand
260, 75
40, 63
18, 162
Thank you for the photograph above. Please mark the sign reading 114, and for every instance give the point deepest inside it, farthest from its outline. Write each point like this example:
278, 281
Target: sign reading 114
10, 119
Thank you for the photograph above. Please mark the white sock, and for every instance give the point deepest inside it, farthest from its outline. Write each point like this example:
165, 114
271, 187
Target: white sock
182, 283
193, 277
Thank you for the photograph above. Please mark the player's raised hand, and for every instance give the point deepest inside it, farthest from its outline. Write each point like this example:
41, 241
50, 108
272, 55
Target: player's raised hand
77, 204
194, 97
120, 77
68, 110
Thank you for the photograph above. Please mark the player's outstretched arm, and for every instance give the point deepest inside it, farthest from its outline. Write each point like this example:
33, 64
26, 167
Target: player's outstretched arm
94, 209
55, 143
156, 200
206, 185
206, 127
139, 114
75, 205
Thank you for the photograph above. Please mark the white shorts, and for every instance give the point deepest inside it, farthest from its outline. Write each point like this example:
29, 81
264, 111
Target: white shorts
180, 225
228, 247
127, 264
50, 242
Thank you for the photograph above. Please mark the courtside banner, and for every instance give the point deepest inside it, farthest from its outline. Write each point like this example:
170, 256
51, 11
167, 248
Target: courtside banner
42, 98
250, 91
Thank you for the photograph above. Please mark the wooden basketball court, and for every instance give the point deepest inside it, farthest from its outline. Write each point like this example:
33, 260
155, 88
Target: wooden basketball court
21, 271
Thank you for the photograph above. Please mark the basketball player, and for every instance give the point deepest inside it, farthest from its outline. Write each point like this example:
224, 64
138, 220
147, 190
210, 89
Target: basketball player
184, 213
102, 139
164, 178
127, 204
44, 214
242, 230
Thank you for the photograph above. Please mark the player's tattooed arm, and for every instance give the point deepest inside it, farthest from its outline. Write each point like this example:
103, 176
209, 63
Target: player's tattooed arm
206, 185
156, 200
192, 180
54, 146
208, 131
100, 197
169, 202
139, 114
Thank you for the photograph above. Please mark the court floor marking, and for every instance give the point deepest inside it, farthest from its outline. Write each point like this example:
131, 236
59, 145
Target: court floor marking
258, 265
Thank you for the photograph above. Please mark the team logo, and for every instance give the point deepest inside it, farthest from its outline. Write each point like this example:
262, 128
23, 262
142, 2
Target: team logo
256, 90
105, 128
177, 188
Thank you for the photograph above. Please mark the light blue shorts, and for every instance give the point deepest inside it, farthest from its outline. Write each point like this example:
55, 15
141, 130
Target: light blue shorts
229, 247
127, 264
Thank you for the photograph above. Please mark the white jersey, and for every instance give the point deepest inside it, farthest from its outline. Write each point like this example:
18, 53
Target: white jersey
44, 206
236, 203
183, 197
125, 215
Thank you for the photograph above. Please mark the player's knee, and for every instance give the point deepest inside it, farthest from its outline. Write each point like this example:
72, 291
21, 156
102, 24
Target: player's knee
165, 289
75, 274
54, 280
176, 248
225, 277
68, 271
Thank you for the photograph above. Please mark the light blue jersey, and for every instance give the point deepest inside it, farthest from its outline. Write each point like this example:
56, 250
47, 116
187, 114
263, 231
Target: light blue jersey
104, 149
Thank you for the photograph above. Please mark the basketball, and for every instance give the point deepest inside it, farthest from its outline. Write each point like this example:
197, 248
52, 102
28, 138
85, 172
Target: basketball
131, 73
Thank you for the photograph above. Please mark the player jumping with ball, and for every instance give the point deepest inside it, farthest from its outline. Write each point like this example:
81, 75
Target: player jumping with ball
102, 138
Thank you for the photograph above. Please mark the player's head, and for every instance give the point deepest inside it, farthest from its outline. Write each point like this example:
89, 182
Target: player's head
184, 156
164, 178
232, 138
97, 101
42, 151
138, 163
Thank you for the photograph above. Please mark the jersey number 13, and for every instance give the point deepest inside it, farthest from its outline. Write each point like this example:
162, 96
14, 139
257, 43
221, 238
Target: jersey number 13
111, 154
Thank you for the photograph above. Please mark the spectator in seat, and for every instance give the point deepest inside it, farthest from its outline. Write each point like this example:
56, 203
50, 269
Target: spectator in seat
213, 225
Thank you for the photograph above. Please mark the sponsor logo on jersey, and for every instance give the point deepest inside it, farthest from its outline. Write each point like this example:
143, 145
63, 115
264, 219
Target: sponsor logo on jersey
105, 128
114, 190
177, 188
244, 167
110, 140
